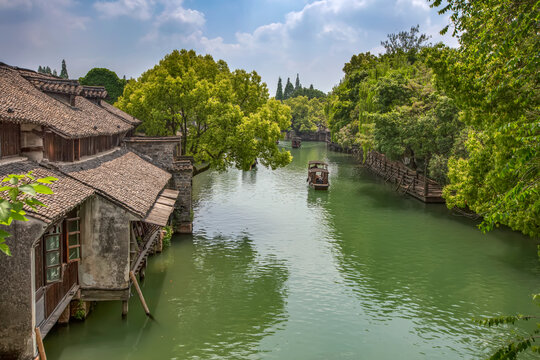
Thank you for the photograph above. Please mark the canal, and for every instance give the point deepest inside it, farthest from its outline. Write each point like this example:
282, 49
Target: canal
275, 270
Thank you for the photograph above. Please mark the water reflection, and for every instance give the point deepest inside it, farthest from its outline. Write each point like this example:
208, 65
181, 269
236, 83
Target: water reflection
436, 274
212, 298
278, 270
230, 299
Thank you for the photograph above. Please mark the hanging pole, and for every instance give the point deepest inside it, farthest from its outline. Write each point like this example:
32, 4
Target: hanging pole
139, 292
41, 348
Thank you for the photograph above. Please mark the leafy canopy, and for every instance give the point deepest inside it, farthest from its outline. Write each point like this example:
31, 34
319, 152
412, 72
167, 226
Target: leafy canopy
225, 118
107, 78
307, 114
15, 192
493, 78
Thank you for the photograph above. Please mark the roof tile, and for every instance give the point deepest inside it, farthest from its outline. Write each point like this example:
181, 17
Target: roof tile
124, 177
21, 102
68, 192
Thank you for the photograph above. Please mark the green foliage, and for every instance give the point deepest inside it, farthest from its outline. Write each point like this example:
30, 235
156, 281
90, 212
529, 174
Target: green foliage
80, 313
107, 78
16, 191
63, 72
307, 115
390, 104
225, 118
289, 89
406, 42
512, 348
493, 78
167, 236
279, 91
310, 92
297, 85
45, 70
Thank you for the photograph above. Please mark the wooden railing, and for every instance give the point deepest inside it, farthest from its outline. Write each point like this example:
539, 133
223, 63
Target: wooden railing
407, 180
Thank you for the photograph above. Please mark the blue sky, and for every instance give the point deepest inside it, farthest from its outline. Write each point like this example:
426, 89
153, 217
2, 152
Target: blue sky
274, 37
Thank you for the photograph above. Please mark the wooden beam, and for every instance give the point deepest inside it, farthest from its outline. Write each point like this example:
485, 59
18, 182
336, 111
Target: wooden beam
139, 292
41, 348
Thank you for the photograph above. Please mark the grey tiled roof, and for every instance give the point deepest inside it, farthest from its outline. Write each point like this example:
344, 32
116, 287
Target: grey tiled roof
123, 177
68, 192
22, 102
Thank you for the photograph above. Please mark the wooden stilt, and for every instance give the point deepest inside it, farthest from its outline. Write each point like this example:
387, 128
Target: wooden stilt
139, 292
125, 308
142, 271
41, 348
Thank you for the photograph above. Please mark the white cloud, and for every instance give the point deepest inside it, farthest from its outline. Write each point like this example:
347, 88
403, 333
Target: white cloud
12, 4
138, 9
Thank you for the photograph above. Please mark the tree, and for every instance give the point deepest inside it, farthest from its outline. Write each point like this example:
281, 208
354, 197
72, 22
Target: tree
406, 42
279, 92
54, 73
309, 93
297, 85
63, 72
108, 79
45, 70
225, 119
307, 114
493, 77
289, 89
19, 190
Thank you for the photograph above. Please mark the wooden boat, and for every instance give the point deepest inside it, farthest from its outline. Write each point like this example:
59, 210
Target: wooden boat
318, 175
296, 142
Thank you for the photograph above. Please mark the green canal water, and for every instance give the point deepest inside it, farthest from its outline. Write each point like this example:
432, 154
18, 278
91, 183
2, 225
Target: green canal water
275, 270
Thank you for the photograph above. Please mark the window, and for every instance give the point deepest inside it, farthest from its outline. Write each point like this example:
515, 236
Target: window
73, 238
53, 262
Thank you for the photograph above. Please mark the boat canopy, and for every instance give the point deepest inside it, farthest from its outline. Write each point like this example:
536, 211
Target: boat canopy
315, 170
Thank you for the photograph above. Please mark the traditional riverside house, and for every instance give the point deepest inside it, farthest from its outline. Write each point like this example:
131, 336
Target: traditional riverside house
40, 279
122, 223
103, 219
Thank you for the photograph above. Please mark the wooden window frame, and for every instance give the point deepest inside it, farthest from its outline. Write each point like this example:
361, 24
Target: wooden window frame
68, 234
59, 250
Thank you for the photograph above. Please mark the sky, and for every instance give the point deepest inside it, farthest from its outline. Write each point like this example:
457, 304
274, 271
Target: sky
276, 38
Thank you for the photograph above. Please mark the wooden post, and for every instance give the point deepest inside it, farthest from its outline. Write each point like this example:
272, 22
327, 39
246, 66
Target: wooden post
125, 308
426, 184
139, 292
41, 348
142, 271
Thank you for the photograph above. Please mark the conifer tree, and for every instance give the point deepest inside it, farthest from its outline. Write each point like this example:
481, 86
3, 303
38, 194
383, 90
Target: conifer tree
54, 73
289, 89
279, 92
63, 72
297, 85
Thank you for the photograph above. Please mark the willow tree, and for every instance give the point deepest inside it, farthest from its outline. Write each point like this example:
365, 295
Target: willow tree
225, 118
